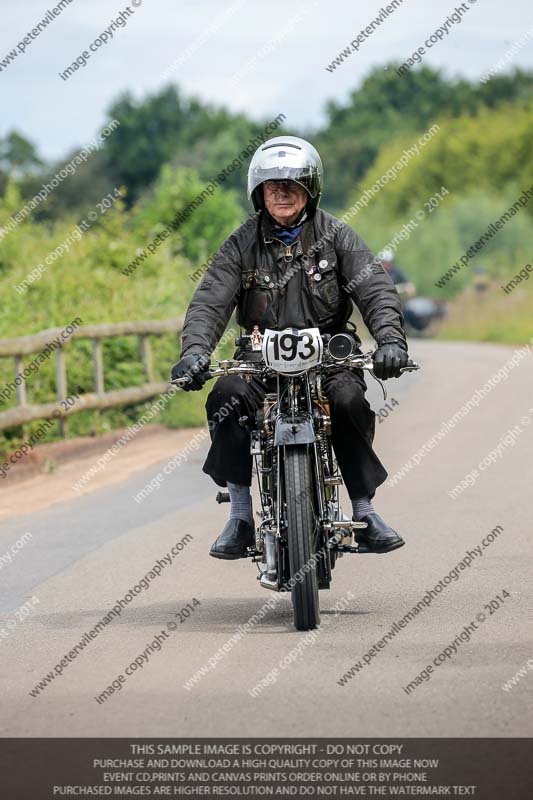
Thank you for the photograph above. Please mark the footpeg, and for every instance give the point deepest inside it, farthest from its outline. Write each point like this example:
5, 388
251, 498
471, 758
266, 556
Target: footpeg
360, 548
252, 552
343, 524
222, 497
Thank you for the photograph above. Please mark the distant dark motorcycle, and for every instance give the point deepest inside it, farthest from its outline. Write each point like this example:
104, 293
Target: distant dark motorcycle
419, 312
303, 530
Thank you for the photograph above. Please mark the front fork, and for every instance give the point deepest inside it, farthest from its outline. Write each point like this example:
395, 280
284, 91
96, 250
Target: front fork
296, 426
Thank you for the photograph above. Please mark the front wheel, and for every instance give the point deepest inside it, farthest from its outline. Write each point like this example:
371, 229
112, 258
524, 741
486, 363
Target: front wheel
301, 522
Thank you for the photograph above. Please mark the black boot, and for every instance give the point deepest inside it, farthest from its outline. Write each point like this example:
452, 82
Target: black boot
378, 536
234, 539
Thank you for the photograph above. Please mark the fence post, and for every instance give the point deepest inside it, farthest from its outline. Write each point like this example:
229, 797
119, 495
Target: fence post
98, 367
146, 355
21, 388
61, 386
25, 412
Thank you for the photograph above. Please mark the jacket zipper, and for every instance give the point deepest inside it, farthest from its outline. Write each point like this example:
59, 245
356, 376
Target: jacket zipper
287, 247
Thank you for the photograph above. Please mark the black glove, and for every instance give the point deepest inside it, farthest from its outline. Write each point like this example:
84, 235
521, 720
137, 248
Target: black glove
196, 368
389, 359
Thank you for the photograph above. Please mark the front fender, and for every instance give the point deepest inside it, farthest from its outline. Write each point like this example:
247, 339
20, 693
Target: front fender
288, 432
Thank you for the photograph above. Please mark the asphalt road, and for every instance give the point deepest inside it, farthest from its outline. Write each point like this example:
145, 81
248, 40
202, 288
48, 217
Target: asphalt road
87, 552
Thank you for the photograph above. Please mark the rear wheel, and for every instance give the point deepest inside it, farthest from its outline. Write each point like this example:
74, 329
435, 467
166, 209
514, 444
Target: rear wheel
301, 523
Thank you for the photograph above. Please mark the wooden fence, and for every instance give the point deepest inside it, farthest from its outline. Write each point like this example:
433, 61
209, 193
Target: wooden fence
99, 398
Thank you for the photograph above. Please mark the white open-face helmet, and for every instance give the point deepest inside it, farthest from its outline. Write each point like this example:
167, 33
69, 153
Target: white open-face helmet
386, 254
286, 158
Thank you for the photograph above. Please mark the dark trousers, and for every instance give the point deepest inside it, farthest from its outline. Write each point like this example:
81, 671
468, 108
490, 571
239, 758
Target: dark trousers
352, 431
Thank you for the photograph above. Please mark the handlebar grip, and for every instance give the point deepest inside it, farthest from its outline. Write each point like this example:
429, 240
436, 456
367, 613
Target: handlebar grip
187, 379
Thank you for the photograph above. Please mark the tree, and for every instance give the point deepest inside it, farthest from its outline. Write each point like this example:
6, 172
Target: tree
166, 128
147, 137
18, 156
388, 105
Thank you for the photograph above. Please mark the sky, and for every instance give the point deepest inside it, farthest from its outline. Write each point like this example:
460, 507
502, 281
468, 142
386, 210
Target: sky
256, 57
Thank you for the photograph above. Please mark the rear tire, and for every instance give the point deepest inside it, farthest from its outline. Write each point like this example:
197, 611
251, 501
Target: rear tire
301, 526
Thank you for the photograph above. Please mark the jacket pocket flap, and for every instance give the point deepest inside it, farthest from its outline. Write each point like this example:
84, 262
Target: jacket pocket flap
256, 279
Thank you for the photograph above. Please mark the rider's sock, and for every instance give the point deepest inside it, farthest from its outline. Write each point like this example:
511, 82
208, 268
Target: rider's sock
362, 506
240, 502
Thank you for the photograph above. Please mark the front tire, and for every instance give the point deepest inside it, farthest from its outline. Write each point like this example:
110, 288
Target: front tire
301, 522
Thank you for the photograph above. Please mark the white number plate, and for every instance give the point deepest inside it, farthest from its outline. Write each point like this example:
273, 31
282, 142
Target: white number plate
292, 350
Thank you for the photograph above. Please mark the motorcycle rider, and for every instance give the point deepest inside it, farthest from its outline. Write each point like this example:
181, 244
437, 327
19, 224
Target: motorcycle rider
418, 312
292, 265
396, 273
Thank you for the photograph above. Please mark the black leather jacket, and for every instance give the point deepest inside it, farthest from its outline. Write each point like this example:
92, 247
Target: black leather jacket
276, 286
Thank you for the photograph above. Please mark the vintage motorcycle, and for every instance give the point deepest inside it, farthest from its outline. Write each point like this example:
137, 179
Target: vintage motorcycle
303, 530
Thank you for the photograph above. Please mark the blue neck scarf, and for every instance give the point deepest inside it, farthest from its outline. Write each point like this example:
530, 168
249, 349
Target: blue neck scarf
288, 234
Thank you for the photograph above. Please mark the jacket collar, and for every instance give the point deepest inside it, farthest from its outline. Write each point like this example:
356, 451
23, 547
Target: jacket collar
268, 228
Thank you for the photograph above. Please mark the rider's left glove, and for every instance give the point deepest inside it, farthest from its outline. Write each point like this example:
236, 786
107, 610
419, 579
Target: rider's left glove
196, 368
389, 359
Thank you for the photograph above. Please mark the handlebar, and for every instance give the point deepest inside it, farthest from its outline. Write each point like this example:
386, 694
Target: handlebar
233, 367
